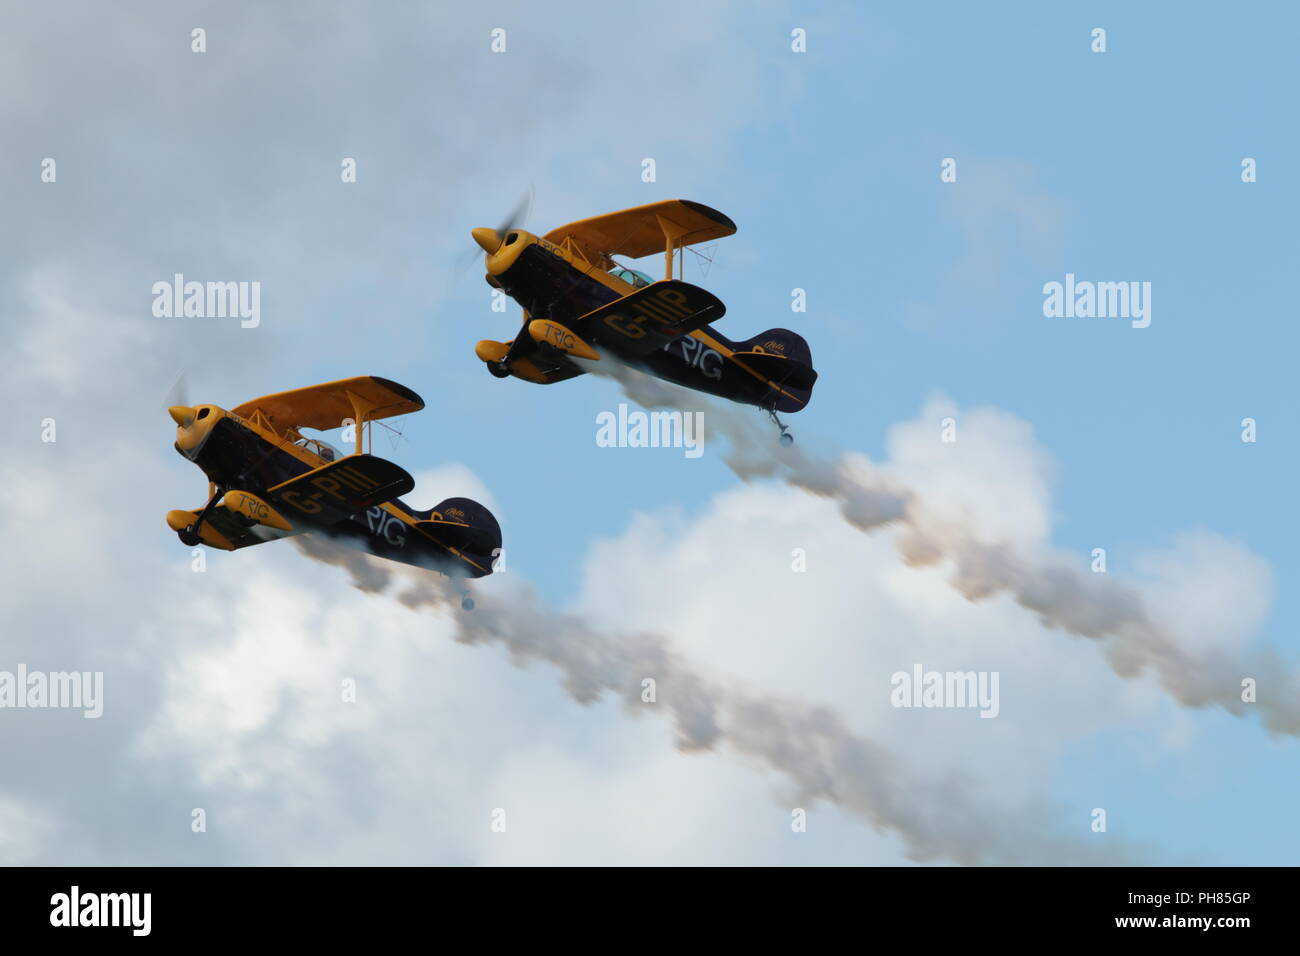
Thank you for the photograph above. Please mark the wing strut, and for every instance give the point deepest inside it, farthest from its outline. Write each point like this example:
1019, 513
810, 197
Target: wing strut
361, 409
672, 232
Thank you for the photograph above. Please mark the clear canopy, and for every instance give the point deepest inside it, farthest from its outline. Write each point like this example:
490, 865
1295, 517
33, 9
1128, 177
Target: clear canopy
318, 447
631, 276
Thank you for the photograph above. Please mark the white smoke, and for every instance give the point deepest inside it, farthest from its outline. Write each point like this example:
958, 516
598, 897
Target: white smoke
935, 818
1055, 585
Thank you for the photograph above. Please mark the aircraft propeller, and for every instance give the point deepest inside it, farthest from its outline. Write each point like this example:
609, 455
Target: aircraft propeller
177, 403
490, 240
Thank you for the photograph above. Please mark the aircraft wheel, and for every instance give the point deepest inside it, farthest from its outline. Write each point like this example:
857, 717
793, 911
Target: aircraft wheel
467, 604
189, 537
787, 439
498, 369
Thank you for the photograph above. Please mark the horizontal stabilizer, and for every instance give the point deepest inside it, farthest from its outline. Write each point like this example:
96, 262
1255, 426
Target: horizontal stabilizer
451, 534
778, 369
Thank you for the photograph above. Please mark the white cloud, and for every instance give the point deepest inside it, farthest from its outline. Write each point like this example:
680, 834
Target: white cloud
722, 586
995, 479
25, 832
1212, 592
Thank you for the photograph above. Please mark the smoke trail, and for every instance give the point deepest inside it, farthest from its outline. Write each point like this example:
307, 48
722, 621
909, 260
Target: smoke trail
1053, 586
936, 819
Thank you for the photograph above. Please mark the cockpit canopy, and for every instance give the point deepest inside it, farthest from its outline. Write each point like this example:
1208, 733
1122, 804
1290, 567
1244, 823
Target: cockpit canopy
317, 447
632, 277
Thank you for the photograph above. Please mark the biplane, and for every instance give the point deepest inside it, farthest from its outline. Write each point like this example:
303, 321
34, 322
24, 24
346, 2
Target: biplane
268, 481
578, 300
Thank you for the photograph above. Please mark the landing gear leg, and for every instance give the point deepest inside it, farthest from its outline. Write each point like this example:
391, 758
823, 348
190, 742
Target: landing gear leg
189, 535
786, 437
466, 602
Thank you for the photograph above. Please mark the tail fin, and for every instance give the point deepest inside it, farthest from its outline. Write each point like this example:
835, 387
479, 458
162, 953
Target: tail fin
466, 526
783, 357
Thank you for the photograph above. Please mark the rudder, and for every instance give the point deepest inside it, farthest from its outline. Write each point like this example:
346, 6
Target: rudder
466, 526
785, 358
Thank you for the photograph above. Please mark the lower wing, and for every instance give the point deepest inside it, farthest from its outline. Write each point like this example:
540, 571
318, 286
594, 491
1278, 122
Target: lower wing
650, 317
337, 491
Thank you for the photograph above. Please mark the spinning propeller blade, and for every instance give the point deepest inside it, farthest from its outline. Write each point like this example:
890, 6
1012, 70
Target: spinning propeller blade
489, 240
177, 403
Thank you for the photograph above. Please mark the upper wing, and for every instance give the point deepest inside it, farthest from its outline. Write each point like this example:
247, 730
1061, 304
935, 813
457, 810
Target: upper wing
365, 398
643, 230
651, 317
336, 491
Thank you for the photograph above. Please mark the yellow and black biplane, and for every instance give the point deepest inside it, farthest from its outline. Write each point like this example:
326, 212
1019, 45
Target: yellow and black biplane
578, 300
268, 481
